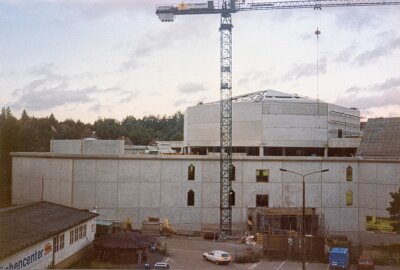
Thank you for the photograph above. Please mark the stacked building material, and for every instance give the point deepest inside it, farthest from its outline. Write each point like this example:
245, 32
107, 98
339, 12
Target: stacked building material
151, 226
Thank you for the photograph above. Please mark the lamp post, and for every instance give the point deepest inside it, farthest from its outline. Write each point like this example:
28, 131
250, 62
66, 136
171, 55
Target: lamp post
303, 261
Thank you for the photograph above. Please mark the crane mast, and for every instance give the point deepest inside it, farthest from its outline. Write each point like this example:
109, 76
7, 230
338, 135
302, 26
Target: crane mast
225, 8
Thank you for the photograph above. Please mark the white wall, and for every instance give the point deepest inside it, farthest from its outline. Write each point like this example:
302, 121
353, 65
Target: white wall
271, 123
138, 187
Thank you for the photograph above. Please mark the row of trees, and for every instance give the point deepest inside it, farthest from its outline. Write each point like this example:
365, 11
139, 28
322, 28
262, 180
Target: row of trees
31, 134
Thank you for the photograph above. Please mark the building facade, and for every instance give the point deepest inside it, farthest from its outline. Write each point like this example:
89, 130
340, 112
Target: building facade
43, 235
185, 189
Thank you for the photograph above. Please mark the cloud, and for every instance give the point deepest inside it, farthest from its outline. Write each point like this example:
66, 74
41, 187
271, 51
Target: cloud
387, 85
49, 89
129, 96
48, 98
379, 51
188, 88
180, 102
305, 70
158, 40
376, 95
95, 108
391, 97
356, 19
345, 55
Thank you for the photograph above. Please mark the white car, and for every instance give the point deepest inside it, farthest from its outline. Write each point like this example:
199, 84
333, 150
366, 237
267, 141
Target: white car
162, 265
218, 256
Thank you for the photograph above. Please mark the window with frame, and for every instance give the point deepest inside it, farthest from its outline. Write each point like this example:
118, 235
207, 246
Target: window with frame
191, 172
349, 173
190, 198
349, 197
71, 237
232, 173
261, 200
58, 242
262, 175
76, 234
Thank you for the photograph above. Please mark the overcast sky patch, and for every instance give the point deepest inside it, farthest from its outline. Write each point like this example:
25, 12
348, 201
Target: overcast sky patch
189, 88
305, 70
381, 50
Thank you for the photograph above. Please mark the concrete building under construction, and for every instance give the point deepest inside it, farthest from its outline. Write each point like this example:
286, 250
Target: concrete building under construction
271, 130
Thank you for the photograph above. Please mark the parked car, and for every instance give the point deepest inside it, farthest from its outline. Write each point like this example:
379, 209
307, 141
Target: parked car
162, 265
365, 262
218, 256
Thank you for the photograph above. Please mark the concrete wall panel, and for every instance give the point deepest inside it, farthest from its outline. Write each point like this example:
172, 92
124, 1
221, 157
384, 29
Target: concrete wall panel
171, 171
170, 195
84, 195
191, 215
150, 171
292, 195
210, 172
128, 195
348, 221
107, 170
210, 194
367, 173
330, 195
386, 173
172, 214
331, 216
106, 195
84, 170
367, 197
210, 215
150, 195
128, 170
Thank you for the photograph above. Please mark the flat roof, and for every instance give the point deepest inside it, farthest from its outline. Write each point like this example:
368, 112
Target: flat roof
22, 227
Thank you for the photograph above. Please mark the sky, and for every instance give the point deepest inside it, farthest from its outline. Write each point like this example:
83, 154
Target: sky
91, 59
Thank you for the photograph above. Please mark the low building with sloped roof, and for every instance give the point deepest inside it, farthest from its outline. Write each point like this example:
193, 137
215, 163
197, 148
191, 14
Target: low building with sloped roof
43, 234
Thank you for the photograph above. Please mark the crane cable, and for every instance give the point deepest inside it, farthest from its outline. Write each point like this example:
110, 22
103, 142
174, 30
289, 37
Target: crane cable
317, 33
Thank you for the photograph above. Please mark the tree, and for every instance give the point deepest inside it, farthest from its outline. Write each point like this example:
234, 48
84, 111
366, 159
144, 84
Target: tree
394, 210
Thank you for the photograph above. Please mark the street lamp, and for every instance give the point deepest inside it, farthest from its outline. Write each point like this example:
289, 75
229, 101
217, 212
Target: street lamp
303, 262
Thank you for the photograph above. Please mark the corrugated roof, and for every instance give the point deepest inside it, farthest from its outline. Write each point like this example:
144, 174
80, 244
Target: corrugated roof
381, 138
268, 95
22, 227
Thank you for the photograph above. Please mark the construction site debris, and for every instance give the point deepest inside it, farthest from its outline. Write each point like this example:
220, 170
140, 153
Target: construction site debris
151, 226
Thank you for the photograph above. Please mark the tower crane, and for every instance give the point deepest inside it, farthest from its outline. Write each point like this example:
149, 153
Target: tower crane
226, 8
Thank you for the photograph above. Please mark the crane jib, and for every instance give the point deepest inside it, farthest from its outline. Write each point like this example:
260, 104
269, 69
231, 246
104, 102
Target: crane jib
210, 8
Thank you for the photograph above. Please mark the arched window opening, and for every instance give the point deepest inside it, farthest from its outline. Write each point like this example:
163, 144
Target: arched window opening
349, 197
191, 171
349, 173
232, 173
232, 197
190, 198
